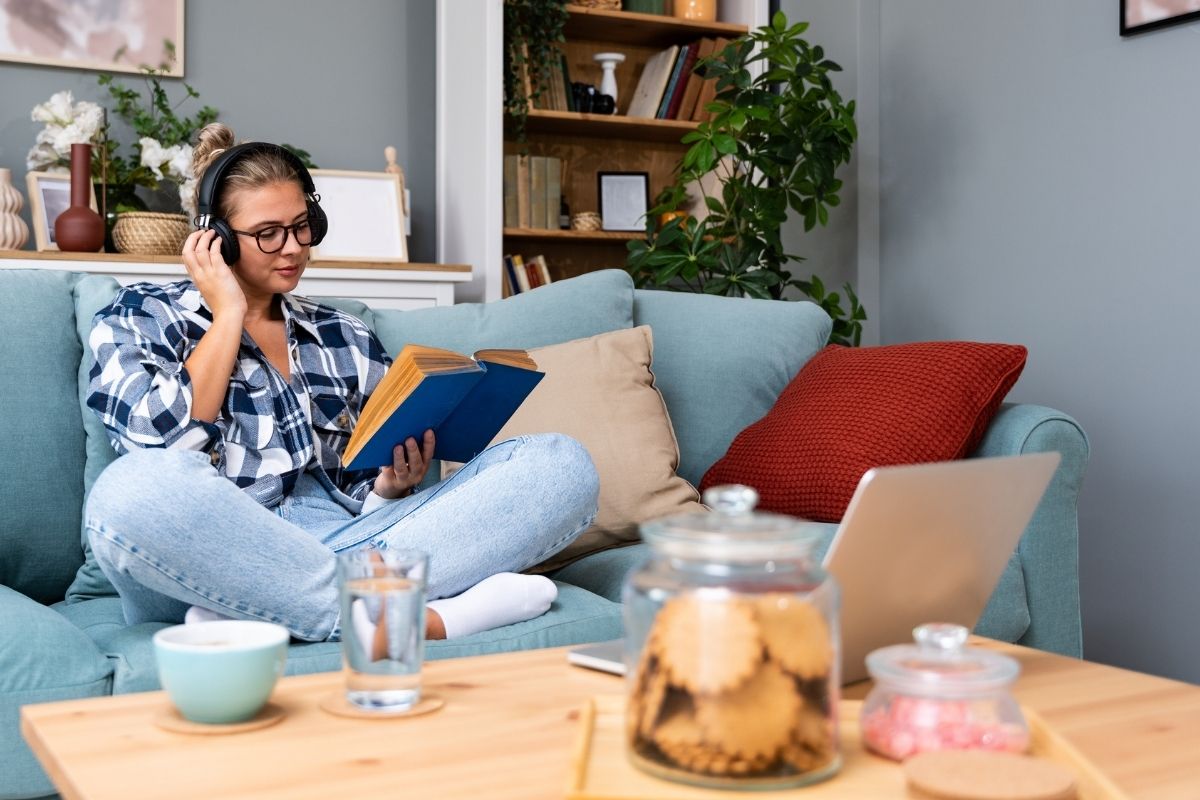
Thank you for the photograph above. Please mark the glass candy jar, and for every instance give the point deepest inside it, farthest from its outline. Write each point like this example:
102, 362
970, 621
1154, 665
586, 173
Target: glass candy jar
941, 695
732, 650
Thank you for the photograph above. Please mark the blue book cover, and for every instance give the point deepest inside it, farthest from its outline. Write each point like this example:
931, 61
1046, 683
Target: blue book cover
465, 411
665, 101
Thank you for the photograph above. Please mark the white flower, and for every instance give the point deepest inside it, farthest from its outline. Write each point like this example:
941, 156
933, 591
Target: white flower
153, 155
42, 155
58, 110
179, 166
90, 119
187, 197
65, 137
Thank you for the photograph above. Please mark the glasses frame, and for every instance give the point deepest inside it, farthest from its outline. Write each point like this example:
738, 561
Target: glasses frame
287, 230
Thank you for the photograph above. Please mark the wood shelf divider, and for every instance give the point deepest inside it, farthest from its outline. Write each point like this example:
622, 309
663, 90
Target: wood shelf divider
545, 234
608, 126
655, 30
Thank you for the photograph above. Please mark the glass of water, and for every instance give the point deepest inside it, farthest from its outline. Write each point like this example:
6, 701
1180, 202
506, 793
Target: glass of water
382, 596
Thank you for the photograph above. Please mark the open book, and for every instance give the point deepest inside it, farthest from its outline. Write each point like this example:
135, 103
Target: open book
465, 400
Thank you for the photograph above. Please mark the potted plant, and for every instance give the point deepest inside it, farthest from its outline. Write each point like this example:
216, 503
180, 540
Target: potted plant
161, 155
773, 144
533, 33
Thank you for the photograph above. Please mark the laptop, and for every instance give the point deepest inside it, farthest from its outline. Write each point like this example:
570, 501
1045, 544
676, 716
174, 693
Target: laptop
918, 543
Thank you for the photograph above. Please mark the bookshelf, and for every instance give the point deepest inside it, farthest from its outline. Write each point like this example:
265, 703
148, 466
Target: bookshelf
473, 138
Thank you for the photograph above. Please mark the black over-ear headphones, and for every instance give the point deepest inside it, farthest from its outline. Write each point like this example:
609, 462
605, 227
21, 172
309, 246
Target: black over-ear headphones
214, 177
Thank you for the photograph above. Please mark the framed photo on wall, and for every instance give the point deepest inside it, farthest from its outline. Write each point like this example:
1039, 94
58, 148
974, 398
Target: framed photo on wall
366, 216
49, 196
624, 198
1138, 16
103, 35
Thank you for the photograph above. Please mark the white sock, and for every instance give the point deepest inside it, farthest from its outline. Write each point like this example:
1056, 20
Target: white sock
499, 600
201, 614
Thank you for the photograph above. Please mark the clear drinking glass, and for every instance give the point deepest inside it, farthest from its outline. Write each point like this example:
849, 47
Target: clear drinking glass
382, 596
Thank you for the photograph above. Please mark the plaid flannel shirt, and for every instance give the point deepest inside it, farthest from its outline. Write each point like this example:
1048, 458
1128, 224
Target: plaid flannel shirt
262, 439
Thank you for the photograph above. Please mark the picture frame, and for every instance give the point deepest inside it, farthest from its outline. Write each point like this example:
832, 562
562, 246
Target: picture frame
1139, 16
624, 198
366, 216
49, 196
100, 32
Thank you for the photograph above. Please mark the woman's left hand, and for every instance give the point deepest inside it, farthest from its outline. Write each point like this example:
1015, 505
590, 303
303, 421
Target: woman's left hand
409, 465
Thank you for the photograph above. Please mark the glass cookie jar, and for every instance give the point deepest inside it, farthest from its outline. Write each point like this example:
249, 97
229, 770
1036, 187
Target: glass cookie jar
941, 695
732, 650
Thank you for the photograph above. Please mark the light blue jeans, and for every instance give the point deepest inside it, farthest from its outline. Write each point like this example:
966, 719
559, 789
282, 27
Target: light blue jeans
170, 532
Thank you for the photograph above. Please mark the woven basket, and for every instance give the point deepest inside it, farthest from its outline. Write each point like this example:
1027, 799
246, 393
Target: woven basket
585, 221
150, 234
612, 5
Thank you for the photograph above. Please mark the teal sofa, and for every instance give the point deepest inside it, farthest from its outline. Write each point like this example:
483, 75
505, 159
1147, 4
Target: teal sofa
719, 362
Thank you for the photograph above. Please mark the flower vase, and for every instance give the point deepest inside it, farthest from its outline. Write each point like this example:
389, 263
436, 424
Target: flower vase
79, 229
13, 230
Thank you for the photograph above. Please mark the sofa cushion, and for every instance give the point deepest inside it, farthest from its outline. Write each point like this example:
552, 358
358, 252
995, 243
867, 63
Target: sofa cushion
851, 409
43, 658
600, 391
41, 478
583, 306
92, 293
576, 616
721, 362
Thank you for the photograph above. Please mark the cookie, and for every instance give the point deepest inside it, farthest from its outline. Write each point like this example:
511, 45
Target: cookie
812, 742
706, 645
756, 719
979, 775
795, 634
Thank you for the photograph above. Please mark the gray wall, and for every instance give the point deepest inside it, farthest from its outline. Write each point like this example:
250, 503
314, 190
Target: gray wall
342, 80
1038, 184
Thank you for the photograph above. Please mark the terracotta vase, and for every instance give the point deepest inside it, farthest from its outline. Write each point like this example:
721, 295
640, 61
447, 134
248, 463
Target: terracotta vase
13, 230
79, 229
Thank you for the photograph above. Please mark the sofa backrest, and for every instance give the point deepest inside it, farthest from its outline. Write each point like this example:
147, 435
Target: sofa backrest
41, 475
721, 363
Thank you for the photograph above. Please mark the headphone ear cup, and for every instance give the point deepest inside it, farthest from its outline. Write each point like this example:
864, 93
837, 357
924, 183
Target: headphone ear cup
231, 250
318, 221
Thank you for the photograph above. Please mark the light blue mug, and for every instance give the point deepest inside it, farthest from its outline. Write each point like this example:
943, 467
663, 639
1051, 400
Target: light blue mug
223, 671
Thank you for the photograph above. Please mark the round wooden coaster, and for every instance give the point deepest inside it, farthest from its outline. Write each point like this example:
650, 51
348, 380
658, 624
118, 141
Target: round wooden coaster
168, 718
337, 704
979, 775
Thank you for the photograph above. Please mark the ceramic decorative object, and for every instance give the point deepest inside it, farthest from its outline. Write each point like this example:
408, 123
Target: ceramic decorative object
13, 230
79, 229
698, 10
608, 81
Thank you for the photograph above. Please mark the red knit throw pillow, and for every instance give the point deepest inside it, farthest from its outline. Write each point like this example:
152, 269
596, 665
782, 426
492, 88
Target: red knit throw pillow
850, 409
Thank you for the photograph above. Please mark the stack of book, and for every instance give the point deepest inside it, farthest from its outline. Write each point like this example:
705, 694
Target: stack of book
670, 89
532, 191
557, 96
522, 274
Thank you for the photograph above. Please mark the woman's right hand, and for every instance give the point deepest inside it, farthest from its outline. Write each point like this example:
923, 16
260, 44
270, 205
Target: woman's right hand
212, 276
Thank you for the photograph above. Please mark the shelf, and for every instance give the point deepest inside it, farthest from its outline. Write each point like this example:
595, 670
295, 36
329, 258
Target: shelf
546, 234
654, 30
608, 126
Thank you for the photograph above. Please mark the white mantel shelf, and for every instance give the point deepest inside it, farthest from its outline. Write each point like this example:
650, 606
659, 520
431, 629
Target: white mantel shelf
378, 284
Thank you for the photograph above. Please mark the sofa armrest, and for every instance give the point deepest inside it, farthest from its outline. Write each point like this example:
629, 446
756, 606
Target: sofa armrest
1049, 548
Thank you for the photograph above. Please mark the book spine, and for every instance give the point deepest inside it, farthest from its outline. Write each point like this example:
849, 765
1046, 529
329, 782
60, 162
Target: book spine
665, 101
694, 83
681, 82
511, 216
708, 92
544, 269
523, 213
537, 191
510, 274
532, 274
553, 191
566, 72
520, 274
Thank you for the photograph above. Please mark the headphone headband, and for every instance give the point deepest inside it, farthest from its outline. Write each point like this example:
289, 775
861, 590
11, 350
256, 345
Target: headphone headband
214, 176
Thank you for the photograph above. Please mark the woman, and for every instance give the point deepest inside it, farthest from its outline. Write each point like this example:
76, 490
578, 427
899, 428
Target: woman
232, 400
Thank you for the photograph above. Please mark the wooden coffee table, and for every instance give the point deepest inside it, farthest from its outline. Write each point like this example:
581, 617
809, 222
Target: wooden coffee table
508, 729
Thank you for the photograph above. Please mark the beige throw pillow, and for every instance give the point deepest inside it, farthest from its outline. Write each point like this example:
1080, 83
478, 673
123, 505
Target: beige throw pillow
601, 392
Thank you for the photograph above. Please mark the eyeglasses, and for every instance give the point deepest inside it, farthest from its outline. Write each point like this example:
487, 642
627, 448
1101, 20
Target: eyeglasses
272, 240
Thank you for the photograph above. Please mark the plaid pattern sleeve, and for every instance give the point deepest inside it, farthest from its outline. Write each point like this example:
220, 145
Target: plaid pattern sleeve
138, 385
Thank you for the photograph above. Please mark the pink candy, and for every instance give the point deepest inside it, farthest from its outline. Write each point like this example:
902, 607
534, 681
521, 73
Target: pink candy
910, 725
